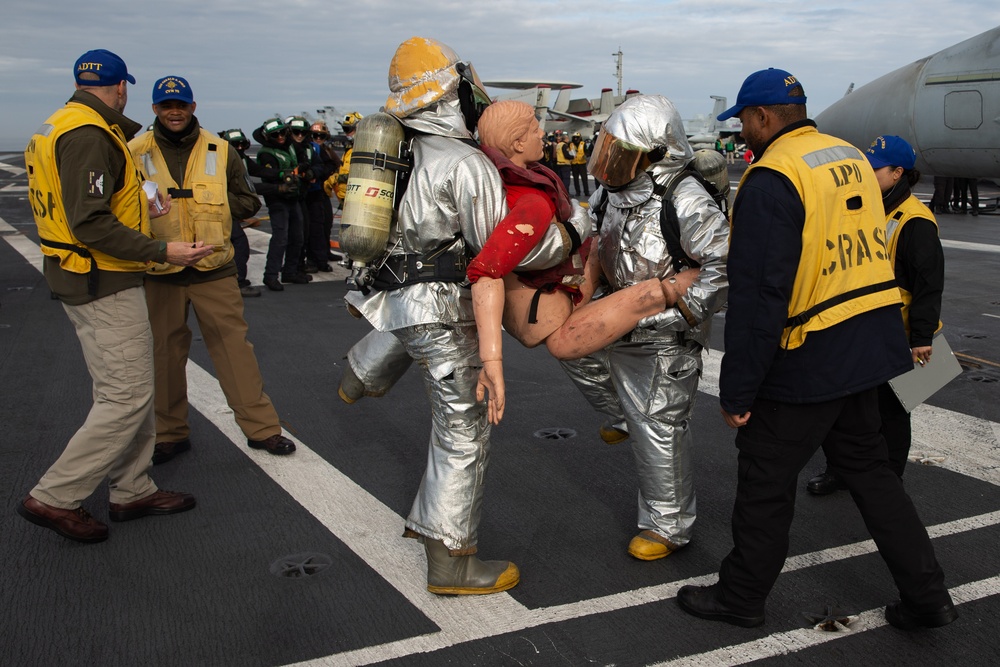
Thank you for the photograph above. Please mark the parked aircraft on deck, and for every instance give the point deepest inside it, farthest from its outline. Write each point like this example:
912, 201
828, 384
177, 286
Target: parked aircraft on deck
946, 105
702, 131
581, 115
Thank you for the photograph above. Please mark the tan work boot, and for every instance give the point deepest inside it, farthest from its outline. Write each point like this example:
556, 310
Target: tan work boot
466, 575
649, 545
613, 433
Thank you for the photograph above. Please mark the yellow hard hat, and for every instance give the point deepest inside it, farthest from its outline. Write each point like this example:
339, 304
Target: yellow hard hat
422, 71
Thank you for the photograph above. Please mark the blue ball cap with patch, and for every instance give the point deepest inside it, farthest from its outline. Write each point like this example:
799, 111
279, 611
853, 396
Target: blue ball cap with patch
172, 88
764, 88
891, 151
107, 67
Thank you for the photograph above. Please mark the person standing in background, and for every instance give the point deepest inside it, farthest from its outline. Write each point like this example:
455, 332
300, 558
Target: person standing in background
95, 238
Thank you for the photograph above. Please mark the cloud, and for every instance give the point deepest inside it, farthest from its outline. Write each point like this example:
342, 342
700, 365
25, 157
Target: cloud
250, 59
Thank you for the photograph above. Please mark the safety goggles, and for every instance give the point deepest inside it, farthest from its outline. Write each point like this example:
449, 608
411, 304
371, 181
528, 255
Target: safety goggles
320, 135
615, 162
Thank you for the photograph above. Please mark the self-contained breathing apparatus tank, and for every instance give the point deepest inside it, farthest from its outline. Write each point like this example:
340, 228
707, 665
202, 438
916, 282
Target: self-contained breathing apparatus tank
380, 162
712, 167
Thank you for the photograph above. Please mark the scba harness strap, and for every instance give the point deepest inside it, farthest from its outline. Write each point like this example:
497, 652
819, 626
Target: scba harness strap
397, 271
403, 270
669, 224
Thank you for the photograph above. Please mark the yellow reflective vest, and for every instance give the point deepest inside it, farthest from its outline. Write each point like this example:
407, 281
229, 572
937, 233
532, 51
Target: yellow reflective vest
200, 210
844, 269
129, 204
894, 221
581, 153
560, 149
343, 175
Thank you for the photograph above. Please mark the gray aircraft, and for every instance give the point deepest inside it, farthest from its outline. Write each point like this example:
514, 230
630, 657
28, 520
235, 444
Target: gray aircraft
946, 105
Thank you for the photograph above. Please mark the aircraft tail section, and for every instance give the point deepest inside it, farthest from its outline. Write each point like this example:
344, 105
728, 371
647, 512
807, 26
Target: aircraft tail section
717, 108
607, 104
562, 100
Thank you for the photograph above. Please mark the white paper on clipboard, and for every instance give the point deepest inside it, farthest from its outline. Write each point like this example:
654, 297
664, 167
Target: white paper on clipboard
916, 386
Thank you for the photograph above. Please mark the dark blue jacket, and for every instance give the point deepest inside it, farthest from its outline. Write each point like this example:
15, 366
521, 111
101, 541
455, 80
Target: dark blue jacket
764, 250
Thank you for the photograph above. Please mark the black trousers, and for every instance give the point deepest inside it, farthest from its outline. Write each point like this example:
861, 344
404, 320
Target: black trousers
241, 248
776, 443
581, 180
895, 428
564, 171
319, 223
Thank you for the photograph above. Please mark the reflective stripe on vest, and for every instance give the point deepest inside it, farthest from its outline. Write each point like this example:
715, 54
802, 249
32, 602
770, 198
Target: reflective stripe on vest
200, 210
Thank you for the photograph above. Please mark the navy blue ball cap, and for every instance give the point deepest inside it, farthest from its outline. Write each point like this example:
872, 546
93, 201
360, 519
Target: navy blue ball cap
891, 151
172, 88
109, 69
764, 88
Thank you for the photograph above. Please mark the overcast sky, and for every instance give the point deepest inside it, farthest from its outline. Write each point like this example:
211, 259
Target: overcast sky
251, 59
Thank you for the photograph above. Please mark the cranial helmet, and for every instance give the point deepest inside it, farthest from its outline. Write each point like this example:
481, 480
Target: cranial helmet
274, 127
297, 124
424, 71
320, 131
350, 121
236, 138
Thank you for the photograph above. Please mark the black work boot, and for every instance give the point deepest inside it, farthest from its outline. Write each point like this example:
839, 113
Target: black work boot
824, 484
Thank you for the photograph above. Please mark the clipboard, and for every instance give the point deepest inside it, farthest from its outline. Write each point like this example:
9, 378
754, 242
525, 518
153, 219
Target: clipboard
916, 386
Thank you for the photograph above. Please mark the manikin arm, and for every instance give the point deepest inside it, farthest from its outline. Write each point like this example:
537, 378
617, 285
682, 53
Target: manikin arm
487, 303
516, 235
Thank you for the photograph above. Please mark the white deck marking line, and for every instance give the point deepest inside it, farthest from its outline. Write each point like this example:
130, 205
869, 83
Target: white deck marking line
365, 525
258, 258
784, 643
971, 446
968, 245
14, 171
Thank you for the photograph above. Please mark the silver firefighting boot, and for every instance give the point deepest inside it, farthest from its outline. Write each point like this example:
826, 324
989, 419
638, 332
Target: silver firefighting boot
466, 575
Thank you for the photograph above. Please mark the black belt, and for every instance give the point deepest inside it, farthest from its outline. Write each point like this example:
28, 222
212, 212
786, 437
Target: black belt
402, 270
82, 252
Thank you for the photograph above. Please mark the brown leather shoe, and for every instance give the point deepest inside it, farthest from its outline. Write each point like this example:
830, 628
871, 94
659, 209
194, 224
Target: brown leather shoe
76, 524
161, 502
277, 444
164, 451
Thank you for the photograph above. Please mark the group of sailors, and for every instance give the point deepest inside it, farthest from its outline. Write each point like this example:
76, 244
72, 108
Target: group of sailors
622, 292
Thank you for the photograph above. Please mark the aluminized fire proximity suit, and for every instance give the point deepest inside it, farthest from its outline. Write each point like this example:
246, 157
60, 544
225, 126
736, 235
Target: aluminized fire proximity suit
650, 377
452, 203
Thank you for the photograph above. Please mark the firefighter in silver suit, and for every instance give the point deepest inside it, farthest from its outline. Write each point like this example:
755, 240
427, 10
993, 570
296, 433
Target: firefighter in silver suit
452, 202
650, 377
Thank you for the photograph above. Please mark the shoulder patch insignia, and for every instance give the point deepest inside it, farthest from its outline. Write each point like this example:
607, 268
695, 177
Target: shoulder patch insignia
95, 183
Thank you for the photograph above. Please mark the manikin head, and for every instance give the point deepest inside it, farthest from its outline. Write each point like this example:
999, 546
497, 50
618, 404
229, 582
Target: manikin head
510, 127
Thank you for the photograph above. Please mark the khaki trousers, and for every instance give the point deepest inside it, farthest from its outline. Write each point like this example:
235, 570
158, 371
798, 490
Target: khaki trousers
218, 306
116, 440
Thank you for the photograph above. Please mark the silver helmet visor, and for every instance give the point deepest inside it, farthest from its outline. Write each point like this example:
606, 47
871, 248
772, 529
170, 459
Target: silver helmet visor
615, 162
